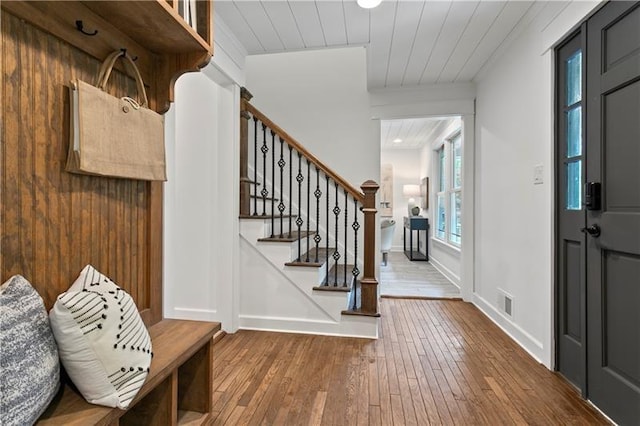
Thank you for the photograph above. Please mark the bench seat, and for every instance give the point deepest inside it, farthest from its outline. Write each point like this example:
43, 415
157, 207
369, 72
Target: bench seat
178, 388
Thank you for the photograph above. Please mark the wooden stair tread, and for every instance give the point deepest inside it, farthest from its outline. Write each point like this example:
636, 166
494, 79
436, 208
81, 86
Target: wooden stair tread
329, 283
288, 238
322, 258
249, 181
265, 217
358, 312
259, 197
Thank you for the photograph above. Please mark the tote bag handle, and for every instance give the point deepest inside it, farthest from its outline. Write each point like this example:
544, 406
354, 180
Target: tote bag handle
107, 66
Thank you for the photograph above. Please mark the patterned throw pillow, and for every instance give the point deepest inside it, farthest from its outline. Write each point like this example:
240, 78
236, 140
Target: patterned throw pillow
29, 364
103, 343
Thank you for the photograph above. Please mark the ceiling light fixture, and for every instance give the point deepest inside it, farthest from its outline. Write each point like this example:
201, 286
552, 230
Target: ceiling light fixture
398, 140
368, 4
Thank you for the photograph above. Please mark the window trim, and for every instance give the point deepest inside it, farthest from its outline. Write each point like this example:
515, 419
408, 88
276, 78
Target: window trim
446, 144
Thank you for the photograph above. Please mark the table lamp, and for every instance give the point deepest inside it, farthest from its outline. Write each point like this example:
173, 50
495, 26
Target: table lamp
412, 191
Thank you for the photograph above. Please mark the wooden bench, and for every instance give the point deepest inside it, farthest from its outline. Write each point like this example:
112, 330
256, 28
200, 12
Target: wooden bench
178, 389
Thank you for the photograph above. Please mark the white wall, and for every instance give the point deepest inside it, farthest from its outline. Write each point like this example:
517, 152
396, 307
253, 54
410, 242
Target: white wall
201, 208
320, 98
513, 220
406, 171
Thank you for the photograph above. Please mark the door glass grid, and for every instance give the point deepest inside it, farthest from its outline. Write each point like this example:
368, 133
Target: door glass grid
573, 133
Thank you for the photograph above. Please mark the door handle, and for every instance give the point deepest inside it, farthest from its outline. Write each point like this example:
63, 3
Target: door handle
593, 230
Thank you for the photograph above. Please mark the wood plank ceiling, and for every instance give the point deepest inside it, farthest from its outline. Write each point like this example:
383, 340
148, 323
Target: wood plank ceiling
412, 133
410, 43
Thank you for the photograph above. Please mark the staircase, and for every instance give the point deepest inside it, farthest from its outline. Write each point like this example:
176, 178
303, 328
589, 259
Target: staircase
307, 238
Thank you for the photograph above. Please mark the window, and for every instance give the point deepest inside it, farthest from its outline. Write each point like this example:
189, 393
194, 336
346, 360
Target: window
573, 123
449, 197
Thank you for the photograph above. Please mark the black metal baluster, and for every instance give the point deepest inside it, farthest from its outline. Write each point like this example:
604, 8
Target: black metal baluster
273, 179
308, 208
336, 254
346, 253
299, 220
281, 164
317, 238
326, 231
264, 150
290, 186
255, 166
355, 270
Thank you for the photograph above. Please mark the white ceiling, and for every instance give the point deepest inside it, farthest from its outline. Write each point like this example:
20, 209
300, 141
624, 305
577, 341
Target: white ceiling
414, 132
410, 42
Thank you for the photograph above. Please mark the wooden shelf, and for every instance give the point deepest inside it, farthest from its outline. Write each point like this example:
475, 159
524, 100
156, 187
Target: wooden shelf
154, 24
152, 31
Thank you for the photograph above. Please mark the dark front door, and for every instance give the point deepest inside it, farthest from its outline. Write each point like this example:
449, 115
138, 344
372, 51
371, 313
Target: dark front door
613, 241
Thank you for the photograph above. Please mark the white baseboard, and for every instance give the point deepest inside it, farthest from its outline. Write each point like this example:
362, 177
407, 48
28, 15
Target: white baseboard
193, 314
349, 326
455, 279
520, 336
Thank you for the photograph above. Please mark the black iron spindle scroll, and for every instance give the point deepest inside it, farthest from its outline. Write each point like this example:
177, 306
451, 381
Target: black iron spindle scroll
264, 150
346, 253
281, 164
327, 232
299, 221
255, 165
308, 201
273, 180
317, 193
290, 187
355, 226
336, 253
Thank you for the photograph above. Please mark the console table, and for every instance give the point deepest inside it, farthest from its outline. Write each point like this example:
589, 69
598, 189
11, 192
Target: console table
415, 223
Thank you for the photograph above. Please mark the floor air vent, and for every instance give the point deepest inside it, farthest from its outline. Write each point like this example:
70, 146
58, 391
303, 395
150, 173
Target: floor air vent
505, 302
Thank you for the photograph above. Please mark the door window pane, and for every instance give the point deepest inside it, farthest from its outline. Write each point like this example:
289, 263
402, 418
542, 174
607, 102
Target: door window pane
574, 132
574, 185
457, 161
456, 220
574, 78
441, 217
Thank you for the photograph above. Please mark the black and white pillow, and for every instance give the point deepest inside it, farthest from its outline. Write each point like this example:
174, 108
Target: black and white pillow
29, 364
103, 343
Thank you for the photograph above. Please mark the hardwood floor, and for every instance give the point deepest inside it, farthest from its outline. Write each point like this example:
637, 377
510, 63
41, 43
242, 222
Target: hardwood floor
436, 362
404, 278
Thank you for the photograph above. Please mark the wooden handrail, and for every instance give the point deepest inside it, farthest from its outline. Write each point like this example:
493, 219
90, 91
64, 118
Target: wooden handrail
355, 193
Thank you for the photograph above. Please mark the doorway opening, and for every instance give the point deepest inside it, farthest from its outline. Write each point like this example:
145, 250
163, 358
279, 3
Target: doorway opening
420, 206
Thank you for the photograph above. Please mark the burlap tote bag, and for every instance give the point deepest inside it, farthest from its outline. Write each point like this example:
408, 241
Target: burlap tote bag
110, 136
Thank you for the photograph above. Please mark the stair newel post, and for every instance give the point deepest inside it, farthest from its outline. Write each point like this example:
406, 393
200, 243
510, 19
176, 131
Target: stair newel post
245, 182
317, 193
299, 221
355, 271
336, 253
368, 283
346, 224
281, 164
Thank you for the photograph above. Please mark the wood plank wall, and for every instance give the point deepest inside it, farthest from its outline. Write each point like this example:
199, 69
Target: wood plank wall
52, 222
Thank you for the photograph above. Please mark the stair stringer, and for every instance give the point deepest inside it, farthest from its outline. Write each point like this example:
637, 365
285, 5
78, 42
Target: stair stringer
275, 297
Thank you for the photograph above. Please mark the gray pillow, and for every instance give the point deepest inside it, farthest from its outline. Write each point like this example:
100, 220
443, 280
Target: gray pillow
29, 363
